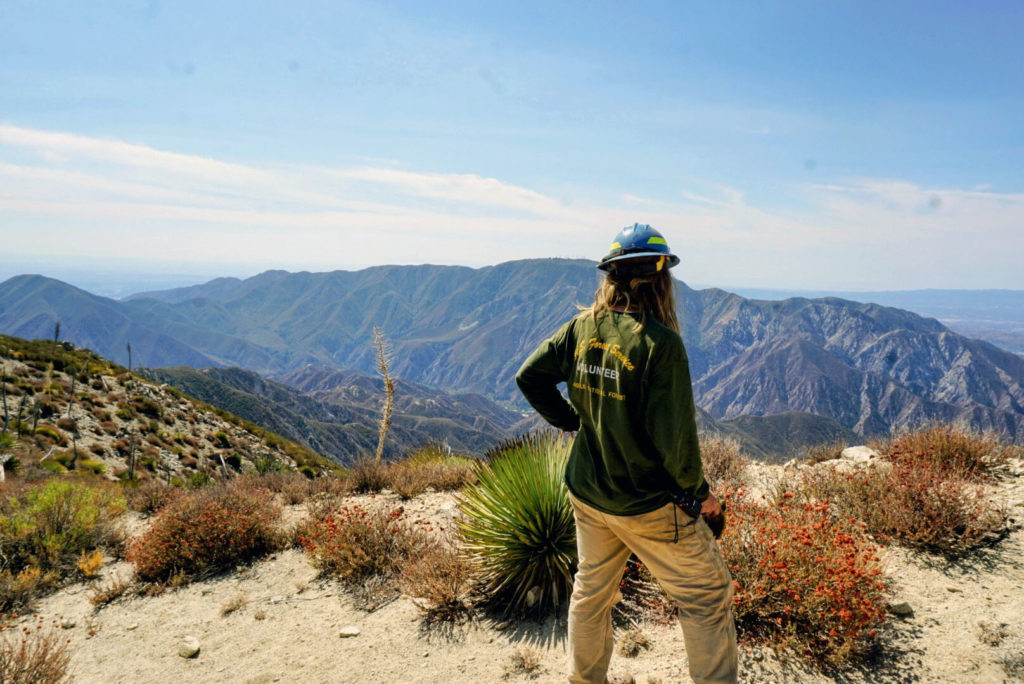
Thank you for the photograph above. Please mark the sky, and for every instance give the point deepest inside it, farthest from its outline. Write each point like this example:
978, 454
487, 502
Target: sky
811, 145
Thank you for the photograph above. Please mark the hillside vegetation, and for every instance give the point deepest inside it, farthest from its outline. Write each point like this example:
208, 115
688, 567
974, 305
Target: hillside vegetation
869, 368
817, 565
67, 409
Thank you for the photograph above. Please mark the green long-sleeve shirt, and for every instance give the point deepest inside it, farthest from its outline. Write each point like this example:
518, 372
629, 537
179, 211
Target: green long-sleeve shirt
630, 399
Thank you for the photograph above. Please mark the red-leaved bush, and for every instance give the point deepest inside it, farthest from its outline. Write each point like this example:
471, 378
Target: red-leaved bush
206, 531
356, 543
807, 581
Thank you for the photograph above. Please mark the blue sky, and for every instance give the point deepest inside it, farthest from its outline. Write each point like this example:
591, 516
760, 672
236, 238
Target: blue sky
811, 145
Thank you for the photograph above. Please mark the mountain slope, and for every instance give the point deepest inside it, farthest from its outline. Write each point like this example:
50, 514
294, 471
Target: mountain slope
336, 413
869, 367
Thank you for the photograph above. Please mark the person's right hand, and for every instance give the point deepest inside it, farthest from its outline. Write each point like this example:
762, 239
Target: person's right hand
711, 506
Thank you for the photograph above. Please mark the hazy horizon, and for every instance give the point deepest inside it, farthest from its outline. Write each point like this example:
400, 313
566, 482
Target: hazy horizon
119, 279
797, 146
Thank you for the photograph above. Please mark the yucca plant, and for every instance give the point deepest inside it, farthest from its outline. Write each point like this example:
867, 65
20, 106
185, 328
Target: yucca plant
516, 523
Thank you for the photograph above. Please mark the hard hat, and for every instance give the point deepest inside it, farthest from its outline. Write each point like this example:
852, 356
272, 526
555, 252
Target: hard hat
635, 241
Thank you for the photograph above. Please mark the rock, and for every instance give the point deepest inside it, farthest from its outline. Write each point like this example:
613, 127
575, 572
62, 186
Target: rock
532, 596
859, 458
67, 623
858, 454
501, 625
953, 590
189, 647
276, 599
901, 609
349, 631
132, 627
621, 679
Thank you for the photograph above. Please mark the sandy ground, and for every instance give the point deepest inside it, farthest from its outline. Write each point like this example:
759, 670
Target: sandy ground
289, 630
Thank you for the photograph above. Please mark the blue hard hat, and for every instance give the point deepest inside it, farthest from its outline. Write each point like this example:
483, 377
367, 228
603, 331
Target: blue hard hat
635, 241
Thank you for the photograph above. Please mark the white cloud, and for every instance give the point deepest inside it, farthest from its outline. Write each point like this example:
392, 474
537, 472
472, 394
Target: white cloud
93, 196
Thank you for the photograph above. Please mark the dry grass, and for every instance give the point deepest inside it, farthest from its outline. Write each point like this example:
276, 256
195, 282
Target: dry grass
233, 604
34, 654
89, 564
970, 452
367, 476
440, 575
723, 462
632, 642
919, 502
110, 592
826, 451
150, 496
524, 661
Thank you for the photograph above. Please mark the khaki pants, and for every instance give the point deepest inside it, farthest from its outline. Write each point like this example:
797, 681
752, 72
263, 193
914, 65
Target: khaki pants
691, 571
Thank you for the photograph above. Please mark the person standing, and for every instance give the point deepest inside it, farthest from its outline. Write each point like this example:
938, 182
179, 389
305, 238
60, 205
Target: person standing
635, 460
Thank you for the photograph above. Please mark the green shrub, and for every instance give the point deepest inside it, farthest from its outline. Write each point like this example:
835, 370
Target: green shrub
92, 464
307, 471
49, 525
50, 432
52, 466
221, 440
233, 460
206, 531
198, 480
517, 524
269, 464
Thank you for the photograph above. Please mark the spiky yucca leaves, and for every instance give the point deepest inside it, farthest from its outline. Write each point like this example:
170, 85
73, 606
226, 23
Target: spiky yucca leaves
516, 522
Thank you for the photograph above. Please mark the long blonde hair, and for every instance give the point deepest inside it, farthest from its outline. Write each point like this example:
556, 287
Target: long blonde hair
648, 295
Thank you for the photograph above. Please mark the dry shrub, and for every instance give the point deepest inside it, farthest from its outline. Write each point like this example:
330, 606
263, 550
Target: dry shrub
150, 496
407, 482
356, 544
233, 604
442, 470
328, 486
109, 592
440, 575
525, 661
34, 654
18, 589
294, 487
825, 451
723, 462
807, 581
969, 453
89, 564
918, 502
367, 476
206, 531
632, 642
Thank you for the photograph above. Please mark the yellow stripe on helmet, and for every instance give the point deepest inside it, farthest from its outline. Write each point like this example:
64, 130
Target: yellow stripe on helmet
655, 240
615, 246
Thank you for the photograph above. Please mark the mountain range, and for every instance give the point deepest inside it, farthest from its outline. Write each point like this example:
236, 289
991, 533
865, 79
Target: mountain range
867, 368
